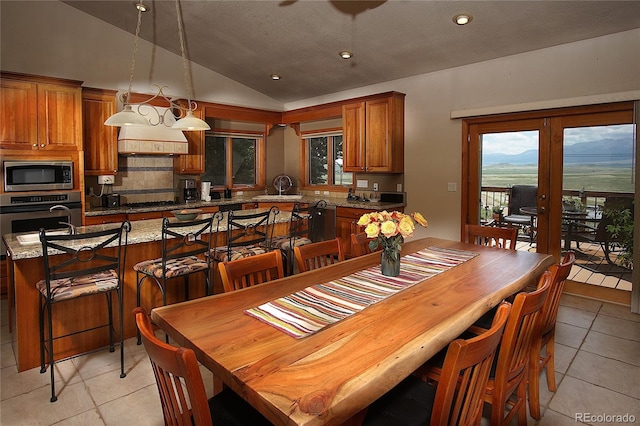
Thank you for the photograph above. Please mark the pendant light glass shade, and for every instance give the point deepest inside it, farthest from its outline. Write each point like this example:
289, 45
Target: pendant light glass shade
126, 117
190, 122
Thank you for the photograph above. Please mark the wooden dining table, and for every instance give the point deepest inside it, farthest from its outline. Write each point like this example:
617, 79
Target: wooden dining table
334, 374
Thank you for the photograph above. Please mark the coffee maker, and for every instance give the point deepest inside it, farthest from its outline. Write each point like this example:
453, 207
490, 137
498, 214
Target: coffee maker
187, 192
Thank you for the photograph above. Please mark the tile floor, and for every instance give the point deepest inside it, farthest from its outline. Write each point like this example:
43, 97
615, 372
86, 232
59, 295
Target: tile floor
597, 370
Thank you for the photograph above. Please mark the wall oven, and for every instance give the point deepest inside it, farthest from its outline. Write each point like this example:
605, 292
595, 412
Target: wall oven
30, 212
38, 175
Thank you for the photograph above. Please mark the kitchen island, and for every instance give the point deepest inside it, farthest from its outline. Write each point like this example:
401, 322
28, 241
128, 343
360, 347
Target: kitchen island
24, 265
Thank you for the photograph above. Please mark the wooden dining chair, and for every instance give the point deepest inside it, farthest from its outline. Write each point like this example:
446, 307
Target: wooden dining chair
546, 337
318, 255
182, 393
458, 397
491, 236
360, 244
508, 379
250, 271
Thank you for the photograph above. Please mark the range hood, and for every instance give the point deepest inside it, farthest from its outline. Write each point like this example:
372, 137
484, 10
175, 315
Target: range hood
160, 139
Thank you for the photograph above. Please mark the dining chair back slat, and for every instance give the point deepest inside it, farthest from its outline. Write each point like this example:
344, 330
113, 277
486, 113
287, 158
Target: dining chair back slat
250, 271
318, 255
491, 236
360, 244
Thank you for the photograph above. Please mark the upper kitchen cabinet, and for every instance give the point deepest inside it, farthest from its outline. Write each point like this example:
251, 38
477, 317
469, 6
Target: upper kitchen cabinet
193, 162
100, 141
373, 134
40, 113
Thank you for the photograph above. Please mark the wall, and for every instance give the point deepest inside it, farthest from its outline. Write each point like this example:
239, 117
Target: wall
599, 66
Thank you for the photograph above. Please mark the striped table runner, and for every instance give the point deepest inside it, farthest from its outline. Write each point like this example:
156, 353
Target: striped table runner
308, 311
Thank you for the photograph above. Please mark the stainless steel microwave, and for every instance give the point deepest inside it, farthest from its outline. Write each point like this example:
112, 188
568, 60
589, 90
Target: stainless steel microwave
37, 175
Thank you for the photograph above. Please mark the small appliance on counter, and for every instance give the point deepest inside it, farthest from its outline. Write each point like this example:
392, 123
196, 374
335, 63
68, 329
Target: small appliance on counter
110, 200
187, 191
205, 189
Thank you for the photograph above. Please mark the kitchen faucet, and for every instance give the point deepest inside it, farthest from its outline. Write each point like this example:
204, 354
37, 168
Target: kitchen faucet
72, 229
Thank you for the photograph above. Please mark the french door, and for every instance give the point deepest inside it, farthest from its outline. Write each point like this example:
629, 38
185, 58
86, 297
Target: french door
577, 157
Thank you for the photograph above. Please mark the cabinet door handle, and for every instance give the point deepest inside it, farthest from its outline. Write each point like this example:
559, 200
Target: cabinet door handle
35, 145
42, 145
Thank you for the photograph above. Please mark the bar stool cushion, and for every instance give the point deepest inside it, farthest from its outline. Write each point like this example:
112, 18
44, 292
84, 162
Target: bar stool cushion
72, 287
221, 254
284, 242
175, 267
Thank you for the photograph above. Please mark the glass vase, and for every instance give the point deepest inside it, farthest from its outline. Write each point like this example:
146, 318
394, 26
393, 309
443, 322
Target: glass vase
388, 265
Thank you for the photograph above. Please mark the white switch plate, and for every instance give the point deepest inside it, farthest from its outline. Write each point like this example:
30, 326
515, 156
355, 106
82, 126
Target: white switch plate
325, 193
399, 187
363, 183
452, 187
239, 193
316, 192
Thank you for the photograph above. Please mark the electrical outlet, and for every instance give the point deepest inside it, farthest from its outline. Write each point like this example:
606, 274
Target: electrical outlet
239, 193
375, 186
326, 193
106, 180
316, 192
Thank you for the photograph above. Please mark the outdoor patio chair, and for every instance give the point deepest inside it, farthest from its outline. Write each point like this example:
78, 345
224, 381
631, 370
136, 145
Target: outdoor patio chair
522, 196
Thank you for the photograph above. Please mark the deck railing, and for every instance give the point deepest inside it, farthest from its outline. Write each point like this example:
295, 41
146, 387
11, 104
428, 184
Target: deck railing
492, 196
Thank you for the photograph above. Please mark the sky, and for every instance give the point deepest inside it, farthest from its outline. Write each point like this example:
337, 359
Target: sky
518, 142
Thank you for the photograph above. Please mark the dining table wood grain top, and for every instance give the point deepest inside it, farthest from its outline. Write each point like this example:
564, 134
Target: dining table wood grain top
335, 373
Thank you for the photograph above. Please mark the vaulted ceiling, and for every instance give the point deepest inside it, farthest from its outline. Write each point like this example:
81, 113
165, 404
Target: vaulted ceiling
248, 41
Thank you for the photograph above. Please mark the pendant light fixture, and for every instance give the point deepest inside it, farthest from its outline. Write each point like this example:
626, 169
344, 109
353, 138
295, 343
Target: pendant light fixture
183, 116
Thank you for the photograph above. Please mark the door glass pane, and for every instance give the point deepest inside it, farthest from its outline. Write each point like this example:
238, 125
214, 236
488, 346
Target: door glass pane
339, 176
597, 187
214, 161
318, 155
508, 158
244, 161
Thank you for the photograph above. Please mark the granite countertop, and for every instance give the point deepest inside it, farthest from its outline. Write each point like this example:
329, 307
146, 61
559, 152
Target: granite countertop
358, 204
142, 231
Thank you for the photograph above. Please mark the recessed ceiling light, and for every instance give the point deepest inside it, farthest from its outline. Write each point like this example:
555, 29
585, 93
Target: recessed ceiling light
142, 7
462, 19
345, 54
275, 77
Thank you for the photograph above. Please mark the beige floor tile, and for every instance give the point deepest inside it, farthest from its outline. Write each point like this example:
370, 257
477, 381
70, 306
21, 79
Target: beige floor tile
5, 336
563, 357
608, 373
90, 417
570, 335
580, 303
103, 361
14, 383
619, 311
109, 386
613, 347
34, 408
576, 397
552, 418
7, 357
575, 316
617, 327
140, 408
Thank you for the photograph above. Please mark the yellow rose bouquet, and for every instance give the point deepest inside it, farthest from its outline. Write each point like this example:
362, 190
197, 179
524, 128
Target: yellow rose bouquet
389, 229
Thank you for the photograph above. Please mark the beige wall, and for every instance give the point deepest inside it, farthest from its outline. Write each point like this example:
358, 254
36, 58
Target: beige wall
37, 40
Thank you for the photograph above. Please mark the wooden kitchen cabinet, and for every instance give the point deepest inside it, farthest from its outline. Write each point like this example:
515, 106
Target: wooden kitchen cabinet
346, 224
40, 113
100, 141
373, 134
101, 220
193, 162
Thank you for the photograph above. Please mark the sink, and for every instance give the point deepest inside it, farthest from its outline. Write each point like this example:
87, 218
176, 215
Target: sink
274, 197
27, 239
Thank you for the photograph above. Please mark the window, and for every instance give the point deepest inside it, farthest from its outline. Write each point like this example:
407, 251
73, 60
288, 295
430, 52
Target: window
323, 160
234, 161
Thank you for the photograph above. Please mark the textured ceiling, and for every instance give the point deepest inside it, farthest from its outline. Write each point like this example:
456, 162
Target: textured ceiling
248, 41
